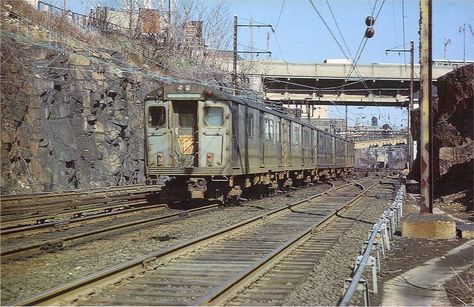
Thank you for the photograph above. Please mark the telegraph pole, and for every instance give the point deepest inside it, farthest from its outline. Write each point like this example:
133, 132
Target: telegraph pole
426, 144
463, 29
234, 69
235, 51
410, 103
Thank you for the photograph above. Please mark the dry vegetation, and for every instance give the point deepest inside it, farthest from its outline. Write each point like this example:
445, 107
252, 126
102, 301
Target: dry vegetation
149, 51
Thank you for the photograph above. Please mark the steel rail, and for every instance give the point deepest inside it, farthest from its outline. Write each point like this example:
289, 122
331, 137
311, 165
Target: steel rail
42, 226
84, 285
78, 238
12, 202
221, 294
11, 198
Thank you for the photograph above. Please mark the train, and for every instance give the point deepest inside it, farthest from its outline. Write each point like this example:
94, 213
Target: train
210, 143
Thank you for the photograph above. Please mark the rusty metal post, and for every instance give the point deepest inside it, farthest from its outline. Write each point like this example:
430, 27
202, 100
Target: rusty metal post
410, 105
426, 144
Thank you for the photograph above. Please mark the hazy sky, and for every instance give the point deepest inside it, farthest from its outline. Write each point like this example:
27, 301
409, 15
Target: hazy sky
301, 35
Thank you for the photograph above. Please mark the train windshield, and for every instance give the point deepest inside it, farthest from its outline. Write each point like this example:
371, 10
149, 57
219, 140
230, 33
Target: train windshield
157, 117
213, 116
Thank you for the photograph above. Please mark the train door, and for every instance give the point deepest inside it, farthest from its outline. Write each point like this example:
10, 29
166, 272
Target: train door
306, 146
314, 135
269, 139
285, 144
296, 146
157, 134
236, 136
279, 145
184, 128
213, 135
261, 139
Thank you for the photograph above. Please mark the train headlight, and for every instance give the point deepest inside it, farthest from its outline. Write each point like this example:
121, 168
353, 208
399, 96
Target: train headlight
210, 159
180, 88
159, 159
208, 93
187, 87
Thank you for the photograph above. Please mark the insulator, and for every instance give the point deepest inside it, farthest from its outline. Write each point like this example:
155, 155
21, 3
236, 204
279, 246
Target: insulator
370, 21
369, 33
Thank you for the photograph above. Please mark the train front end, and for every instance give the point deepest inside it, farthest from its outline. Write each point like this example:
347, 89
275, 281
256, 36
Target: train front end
188, 137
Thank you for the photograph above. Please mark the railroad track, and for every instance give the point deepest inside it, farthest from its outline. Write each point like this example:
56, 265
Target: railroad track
203, 270
66, 234
37, 209
18, 242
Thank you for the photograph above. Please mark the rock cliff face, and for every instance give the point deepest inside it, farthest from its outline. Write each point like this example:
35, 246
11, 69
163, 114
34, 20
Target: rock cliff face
453, 132
70, 120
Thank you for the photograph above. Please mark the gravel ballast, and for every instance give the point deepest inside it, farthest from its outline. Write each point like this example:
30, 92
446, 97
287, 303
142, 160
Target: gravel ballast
29, 276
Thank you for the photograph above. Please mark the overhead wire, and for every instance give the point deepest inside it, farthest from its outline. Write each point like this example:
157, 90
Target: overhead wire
403, 29
337, 42
279, 15
338, 29
365, 39
362, 43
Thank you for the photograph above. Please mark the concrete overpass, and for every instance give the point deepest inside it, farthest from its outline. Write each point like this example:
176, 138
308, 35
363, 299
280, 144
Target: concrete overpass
328, 84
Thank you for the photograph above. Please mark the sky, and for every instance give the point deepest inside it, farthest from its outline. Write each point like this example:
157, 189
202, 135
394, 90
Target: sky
302, 36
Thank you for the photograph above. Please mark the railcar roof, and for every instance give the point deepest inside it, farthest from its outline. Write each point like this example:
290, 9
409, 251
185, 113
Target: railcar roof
260, 106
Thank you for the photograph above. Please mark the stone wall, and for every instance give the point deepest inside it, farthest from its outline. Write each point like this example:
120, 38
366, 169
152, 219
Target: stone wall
70, 120
453, 132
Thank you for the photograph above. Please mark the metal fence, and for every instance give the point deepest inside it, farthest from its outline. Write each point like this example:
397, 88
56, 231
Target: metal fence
376, 246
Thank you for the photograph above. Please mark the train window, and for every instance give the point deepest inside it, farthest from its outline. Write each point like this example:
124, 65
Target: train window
157, 117
250, 126
213, 116
295, 137
269, 129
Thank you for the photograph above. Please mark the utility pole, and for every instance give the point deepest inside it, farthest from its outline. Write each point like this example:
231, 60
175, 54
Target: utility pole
410, 103
234, 69
235, 51
426, 144
463, 30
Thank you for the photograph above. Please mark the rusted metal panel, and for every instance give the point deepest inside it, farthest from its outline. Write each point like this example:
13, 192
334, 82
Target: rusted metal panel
426, 204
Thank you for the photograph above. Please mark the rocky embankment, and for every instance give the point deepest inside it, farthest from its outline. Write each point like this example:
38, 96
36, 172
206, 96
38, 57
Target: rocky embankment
70, 119
453, 134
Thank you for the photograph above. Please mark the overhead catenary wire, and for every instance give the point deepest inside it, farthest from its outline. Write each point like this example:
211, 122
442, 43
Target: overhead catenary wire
364, 40
279, 15
338, 29
403, 29
337, 42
